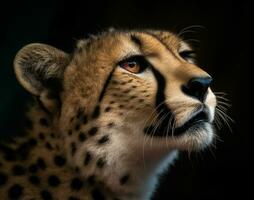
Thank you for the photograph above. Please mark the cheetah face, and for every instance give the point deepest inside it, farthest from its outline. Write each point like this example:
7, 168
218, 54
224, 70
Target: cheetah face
140, 88
157, 88
120, 99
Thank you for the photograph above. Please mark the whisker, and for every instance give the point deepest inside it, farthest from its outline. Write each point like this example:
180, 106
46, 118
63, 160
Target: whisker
222, 98
154, 116
224, 109
181, 32
224, 118
217, 122
158, 124
222, 93
192, 40
225, 115
156, 119
224, 103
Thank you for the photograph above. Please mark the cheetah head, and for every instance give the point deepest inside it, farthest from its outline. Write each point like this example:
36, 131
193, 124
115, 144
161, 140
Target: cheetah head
122, 99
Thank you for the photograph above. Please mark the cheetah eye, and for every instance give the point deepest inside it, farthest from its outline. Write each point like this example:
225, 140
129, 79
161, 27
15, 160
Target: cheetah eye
134, 64
132, 67
188, 55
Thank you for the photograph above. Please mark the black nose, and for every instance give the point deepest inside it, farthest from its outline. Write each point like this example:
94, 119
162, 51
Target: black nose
197, 87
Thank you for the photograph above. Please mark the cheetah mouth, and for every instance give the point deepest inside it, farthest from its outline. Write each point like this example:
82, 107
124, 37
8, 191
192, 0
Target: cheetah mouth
196, 121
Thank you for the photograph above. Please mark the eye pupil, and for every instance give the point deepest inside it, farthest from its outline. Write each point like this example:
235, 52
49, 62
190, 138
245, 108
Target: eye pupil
132, 64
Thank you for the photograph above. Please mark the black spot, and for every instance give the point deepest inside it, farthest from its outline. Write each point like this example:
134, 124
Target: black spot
88, 158
33, 168
73, 198
34, 180
53, 181
52, 135
44, 122
96, 112
84, 119
77, 169
3, 179
41, 164
81, 116
126, 91
41, 136
107, 109
97, 195
79, 113
70, 132
59, 160
141, 100
45, 195
124, 179
73, 148
32, 142
103, 139
15, 191
18, 170
134, 86
100, 163
71, 119
111, 102
93, 131
121, 106
76, 184
111, 124
24, 149
77, 127
48, 146
82, 137
91, 179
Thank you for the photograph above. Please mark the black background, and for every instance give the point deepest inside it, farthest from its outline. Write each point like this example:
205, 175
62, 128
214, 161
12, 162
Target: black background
224, 51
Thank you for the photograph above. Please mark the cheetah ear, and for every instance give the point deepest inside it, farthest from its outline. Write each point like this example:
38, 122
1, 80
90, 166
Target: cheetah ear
40, 68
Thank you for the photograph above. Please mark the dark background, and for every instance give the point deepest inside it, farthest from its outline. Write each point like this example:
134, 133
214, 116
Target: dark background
224, 51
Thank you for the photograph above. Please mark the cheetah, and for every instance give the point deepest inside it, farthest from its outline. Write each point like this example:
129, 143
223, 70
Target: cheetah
108, 118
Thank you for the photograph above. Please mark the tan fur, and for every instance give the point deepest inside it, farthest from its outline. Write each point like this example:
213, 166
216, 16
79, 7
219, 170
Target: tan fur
127, 107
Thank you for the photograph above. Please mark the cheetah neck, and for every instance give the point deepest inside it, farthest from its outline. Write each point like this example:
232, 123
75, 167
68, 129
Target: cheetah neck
127, 171
125, 176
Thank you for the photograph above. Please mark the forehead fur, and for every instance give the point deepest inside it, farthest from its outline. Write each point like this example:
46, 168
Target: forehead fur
110, 43
96, 57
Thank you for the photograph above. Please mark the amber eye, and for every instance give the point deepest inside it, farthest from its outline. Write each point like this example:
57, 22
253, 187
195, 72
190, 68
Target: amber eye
134, 64
132, 67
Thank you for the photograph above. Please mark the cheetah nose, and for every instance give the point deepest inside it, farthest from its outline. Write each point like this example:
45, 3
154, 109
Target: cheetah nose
197, 87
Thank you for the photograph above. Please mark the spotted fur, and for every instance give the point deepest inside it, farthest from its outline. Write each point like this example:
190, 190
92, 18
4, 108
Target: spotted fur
98, 131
